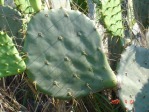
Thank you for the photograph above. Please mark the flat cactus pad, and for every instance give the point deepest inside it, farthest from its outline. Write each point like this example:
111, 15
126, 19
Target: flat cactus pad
133, 75
65, 58
10, 61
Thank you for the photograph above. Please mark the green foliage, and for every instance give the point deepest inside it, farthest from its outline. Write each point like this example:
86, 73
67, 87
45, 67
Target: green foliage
112, 16
65, 57
109, 13
24, 6
36, 4
11, 63
10, 22
2, 2
133, 78
64, 51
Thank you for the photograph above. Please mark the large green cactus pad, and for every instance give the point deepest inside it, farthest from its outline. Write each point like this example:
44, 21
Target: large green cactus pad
112, 13
65, 59
10, 61
10, 22
133, 75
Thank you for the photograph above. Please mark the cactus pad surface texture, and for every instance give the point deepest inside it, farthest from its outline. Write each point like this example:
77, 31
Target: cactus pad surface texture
10, 61
112, 15
64, 55
10, 22
133, 76
24, 6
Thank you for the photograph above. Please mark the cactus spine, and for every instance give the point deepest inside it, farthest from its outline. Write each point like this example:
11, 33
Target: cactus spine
66, 54
133, 79
11, 63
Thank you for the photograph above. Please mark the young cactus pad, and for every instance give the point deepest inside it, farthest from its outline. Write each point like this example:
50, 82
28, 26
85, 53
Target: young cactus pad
133, 74
112, 13
65, 59
24, 6
10, 22
10, 61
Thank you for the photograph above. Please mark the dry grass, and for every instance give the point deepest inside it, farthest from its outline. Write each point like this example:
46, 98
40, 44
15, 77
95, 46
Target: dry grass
18, 94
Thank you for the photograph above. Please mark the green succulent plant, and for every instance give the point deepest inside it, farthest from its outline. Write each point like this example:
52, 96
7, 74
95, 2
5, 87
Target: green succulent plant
65, 57
133, 79
11, 63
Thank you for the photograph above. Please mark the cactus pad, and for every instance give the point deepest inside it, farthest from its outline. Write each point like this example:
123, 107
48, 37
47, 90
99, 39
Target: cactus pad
133, 76
24, 6
10, 22
10, 61
112, 15
65, 59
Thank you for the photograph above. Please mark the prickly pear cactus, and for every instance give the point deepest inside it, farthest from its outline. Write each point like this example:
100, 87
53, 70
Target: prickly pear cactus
36, 4
115, 48
112, 16
10, 22
10, 61
24, 6
65, 59
133, 76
